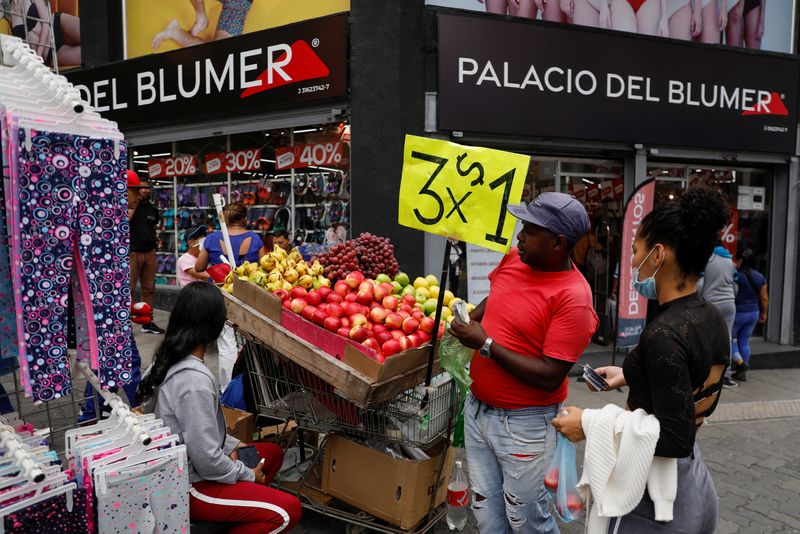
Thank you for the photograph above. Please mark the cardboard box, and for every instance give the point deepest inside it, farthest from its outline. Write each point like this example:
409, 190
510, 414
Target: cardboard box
240, 424
397, 491
259, 298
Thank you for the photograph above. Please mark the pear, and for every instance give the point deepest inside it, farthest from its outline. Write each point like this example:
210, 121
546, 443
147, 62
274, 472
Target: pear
267, 262
317, 268
306, 281
301, 268
290, 275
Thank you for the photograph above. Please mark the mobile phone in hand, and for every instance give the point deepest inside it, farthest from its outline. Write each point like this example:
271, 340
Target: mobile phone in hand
594, 378
248, 456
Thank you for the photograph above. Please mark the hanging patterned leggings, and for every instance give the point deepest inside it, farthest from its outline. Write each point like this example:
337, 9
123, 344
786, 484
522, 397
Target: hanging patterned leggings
70, 220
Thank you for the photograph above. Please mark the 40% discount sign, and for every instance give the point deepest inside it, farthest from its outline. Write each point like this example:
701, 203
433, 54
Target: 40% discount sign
461, 192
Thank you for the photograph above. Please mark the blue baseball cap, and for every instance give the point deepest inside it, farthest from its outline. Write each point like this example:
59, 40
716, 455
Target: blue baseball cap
561, 214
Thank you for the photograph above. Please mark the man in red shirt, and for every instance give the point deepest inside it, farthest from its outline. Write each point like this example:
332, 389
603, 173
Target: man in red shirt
535, 323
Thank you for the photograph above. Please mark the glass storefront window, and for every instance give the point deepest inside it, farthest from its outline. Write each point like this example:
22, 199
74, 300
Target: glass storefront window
293, 181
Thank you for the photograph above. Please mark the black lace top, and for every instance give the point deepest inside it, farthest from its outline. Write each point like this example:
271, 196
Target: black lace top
673, 359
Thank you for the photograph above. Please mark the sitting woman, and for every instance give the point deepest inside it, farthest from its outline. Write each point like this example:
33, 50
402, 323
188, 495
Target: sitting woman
180, 389
676, 371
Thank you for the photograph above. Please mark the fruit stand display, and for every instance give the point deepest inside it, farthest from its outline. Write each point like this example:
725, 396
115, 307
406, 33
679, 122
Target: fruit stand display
346, 353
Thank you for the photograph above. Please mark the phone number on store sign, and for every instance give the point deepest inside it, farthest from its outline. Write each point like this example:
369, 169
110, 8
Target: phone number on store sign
313, 88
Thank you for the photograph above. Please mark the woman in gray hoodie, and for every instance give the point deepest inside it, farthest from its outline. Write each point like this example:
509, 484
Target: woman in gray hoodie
180, 389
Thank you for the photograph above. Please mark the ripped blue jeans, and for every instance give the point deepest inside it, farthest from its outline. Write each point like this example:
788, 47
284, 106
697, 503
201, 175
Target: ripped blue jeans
508, 452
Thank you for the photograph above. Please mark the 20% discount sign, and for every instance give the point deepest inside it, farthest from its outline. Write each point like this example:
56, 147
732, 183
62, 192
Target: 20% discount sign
459, 192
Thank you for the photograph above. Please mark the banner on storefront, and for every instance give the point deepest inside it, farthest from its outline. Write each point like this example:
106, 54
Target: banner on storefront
738, 25
461, 192
235, 161
521, 78
290, 65
155, 26
181, 165
632, 307
330, 153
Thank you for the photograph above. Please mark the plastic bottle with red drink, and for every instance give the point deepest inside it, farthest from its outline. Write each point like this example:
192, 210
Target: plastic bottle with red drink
457, 498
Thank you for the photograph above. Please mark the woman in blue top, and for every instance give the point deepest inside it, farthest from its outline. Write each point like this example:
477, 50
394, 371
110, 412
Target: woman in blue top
248, 244
250, 248
751, 307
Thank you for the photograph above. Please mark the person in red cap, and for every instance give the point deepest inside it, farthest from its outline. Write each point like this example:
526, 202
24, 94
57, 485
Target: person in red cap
144, 219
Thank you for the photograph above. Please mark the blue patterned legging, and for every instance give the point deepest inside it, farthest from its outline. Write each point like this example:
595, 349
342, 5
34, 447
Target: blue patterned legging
70, 220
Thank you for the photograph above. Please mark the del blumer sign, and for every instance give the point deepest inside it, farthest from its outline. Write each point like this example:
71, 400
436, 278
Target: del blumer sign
292, 64
519, 78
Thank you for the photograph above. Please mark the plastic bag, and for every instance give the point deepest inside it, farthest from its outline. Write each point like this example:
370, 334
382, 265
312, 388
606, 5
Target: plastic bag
561, 479
455, 358
233, 396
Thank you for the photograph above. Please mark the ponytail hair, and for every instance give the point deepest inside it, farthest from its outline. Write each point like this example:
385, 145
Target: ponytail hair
748, 260
690, 228
196, 319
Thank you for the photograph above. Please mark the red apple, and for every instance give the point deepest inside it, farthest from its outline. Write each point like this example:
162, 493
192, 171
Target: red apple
319, 317
389, 288
405, 307
298, 292
365, 297
390, 302
574, 503
423, 336
394, 321
404, 314
343, 332
383, 337
298, 305
341, 288
359, 333
391, 347
308, 312
415, 340
313, 298
281, 294
441, 332
380, 328
324, 307
333, 298
324, 291
380, 357
373, 305
354, 279
334, 310
358, 319
410, 325
381, 293
351, 308
372, 344
287, 304
332, 324
345, 322
409, 299
405, 343
418, 314
366, 285
551, 479
350, 297
377, 315
426, 325
397, 334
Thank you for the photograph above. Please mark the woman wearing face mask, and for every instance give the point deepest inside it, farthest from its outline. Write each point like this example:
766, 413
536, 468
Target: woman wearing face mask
676, 371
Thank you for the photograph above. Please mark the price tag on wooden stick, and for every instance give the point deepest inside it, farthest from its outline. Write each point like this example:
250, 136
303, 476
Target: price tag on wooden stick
461, 191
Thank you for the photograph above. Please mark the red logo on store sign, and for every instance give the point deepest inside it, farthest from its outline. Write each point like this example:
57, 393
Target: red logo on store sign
303, 64
773, 106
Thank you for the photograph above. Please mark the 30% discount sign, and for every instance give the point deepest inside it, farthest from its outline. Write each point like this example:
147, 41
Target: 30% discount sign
461, 192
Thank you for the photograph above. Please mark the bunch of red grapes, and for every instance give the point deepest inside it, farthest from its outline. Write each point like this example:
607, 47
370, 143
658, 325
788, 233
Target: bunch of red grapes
368, 253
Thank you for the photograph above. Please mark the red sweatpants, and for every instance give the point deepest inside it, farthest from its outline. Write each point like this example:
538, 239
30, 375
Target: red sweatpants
257, 508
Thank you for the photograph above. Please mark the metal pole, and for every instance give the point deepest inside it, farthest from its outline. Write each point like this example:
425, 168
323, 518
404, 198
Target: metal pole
438, 317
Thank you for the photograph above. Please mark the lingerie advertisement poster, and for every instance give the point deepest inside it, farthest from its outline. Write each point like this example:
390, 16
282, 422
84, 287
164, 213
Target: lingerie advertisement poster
753, 24
506, 76
51, 27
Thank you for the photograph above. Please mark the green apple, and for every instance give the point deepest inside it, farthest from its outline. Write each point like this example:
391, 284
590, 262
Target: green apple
409, 290
402, 279
432, 280
397, 287
448, 296
381, 278
421, 297
420, 282
423, 291
430, 306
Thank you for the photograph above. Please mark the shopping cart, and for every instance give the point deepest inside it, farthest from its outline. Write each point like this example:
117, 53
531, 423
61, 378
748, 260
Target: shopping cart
420, 417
